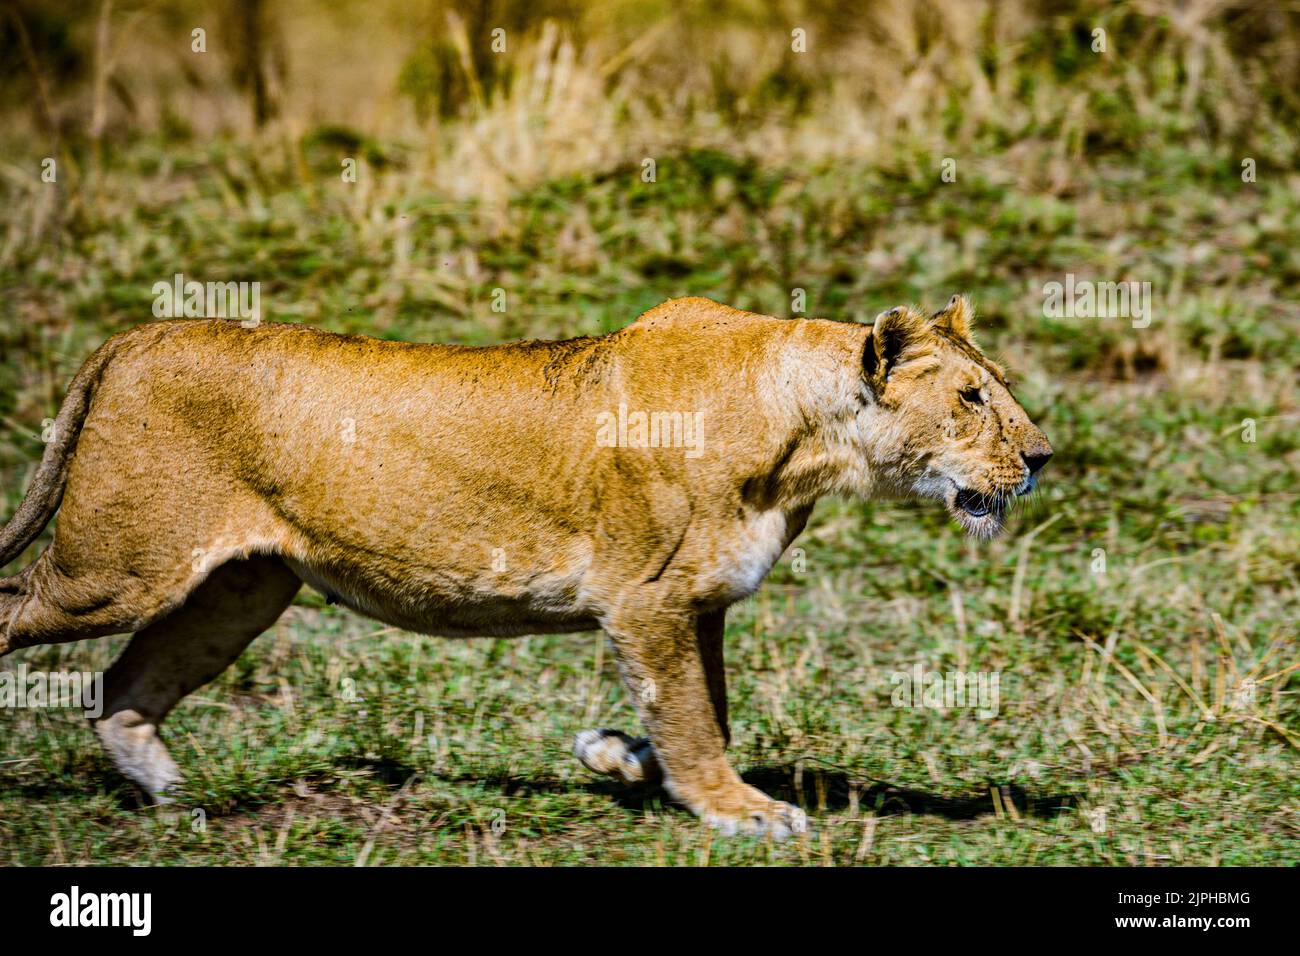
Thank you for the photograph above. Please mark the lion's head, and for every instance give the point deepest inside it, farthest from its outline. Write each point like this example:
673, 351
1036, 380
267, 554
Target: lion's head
946, 425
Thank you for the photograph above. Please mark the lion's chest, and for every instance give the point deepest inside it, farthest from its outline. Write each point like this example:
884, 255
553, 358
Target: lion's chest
743, 554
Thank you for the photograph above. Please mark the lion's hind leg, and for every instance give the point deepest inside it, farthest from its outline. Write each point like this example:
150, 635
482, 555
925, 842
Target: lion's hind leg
56, 599
12, 590
180, 653
615, 754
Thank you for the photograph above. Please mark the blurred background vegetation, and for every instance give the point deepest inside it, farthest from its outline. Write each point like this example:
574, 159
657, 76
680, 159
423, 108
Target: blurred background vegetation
578, 84
776, 170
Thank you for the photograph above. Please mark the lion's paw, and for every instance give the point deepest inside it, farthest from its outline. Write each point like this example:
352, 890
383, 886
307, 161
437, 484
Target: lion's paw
774, 818
611, 752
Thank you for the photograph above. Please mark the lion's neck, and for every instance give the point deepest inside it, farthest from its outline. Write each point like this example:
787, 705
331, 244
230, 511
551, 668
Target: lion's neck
827, 460
829, 419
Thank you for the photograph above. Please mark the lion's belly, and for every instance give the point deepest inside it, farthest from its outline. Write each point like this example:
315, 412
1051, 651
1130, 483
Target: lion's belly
446, 603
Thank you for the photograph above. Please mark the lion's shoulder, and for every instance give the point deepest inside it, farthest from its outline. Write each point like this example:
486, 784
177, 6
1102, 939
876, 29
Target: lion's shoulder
694, 312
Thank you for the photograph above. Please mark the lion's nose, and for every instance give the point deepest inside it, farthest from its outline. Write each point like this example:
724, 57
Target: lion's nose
1036, 460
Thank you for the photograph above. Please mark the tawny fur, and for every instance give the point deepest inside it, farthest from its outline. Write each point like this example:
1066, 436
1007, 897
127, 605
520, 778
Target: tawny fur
201, 470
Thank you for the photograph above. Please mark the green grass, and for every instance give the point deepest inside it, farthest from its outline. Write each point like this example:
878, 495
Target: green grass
457, 751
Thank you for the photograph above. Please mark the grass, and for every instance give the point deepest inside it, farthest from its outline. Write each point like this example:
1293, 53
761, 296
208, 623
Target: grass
1148, 710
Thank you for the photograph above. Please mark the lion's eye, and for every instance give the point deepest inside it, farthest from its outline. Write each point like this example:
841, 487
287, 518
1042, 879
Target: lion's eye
972, 394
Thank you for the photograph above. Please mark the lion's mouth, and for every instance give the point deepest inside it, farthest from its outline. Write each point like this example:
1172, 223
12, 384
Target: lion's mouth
983, 514
979, 504
974, 503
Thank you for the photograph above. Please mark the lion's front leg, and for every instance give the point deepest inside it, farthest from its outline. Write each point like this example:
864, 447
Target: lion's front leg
709, 631
662, 658
632, 759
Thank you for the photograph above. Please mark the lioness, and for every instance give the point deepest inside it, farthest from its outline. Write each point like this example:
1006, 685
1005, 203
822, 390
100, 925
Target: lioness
205, 470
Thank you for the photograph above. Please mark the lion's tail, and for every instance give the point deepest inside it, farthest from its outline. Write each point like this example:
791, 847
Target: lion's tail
46, 490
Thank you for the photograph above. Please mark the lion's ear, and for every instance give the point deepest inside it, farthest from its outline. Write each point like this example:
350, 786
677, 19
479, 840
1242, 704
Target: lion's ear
891, 335
955, 317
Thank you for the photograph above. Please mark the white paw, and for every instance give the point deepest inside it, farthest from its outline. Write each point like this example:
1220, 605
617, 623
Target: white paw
615, 754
